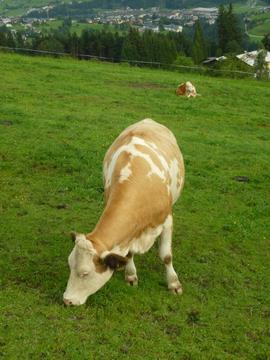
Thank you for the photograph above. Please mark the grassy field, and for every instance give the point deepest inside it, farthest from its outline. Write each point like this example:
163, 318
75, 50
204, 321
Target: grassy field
57, 118
262, 29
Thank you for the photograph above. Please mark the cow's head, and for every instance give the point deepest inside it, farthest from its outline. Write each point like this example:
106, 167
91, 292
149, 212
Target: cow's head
88, 271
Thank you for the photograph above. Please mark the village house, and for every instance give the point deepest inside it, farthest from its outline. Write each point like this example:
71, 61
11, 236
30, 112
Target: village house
174, 28
250, 58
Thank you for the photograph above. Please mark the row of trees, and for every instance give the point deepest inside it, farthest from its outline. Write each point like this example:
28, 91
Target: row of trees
168, 48
132, 45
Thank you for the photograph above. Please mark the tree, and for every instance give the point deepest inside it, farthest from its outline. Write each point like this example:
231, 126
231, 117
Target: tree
183, 60
199, 51
10, 42
222, 27
74, 45
132, 46
19, 40
6, 37
51, 44
230, 36
117, 47
166, 49
266, 41
260, 65
182, 42
233, 47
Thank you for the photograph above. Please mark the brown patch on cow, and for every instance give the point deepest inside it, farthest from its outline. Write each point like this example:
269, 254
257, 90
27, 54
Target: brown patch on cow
99, 264
181, 90
167, 260
153, 156
115, 261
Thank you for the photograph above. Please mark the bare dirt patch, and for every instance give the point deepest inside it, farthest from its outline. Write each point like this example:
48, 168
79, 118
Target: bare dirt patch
147, 85
264, 125
6, 122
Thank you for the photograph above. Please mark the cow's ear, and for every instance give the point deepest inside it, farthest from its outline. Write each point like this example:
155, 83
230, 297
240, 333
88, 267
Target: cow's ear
73, 235
114, 261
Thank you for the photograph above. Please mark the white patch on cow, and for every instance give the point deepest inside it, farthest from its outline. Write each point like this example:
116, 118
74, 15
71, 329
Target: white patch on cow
83, 243
155, 150
143, 243
174, 174
165, 243
149, 120
125, 173
190, 89
168, 221
134, 152
105, 170
154, 146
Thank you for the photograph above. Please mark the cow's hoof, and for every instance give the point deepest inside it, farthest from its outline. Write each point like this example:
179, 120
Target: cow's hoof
176, 288
132, 280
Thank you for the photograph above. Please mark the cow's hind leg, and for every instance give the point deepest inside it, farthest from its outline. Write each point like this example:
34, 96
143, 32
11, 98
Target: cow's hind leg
130, 271
165, 253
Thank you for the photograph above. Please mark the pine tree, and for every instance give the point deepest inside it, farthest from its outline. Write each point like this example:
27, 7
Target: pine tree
19, 40
74, 45
260, 65
230, 36
117, 47
266, 41
10, 42
132, 46
199, 51
222, 28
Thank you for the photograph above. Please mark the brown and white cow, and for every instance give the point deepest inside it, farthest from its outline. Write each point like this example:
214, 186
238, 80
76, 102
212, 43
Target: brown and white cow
143, 177
186, 89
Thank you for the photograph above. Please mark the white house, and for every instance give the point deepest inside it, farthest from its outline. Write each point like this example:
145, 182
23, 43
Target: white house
250, 58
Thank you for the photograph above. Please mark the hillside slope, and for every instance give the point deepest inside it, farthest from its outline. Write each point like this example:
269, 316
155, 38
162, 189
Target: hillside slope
21, 6
57, 118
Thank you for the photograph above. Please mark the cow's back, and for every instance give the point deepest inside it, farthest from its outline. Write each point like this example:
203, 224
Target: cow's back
145, 154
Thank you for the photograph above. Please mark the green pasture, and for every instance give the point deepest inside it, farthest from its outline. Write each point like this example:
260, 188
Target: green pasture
244, 7
261, 29
57, 118
19, 7
255, 38
260, 25
78, 27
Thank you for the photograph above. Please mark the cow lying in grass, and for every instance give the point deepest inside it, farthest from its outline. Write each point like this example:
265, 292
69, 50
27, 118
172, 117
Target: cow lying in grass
143, 177
186, 89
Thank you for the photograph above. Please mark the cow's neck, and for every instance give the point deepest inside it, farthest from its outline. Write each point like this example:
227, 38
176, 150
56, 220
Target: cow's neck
118, 224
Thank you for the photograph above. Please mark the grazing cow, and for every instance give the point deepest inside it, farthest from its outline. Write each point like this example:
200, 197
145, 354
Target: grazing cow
186, 89
143, 177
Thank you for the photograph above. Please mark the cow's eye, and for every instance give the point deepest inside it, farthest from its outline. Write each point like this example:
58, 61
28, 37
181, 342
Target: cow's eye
84, 274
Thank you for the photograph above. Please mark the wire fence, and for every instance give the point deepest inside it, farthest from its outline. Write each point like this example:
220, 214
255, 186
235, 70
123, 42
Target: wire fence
198, 69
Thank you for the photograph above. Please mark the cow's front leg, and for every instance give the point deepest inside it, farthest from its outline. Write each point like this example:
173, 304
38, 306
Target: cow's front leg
165, 253
130, 271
